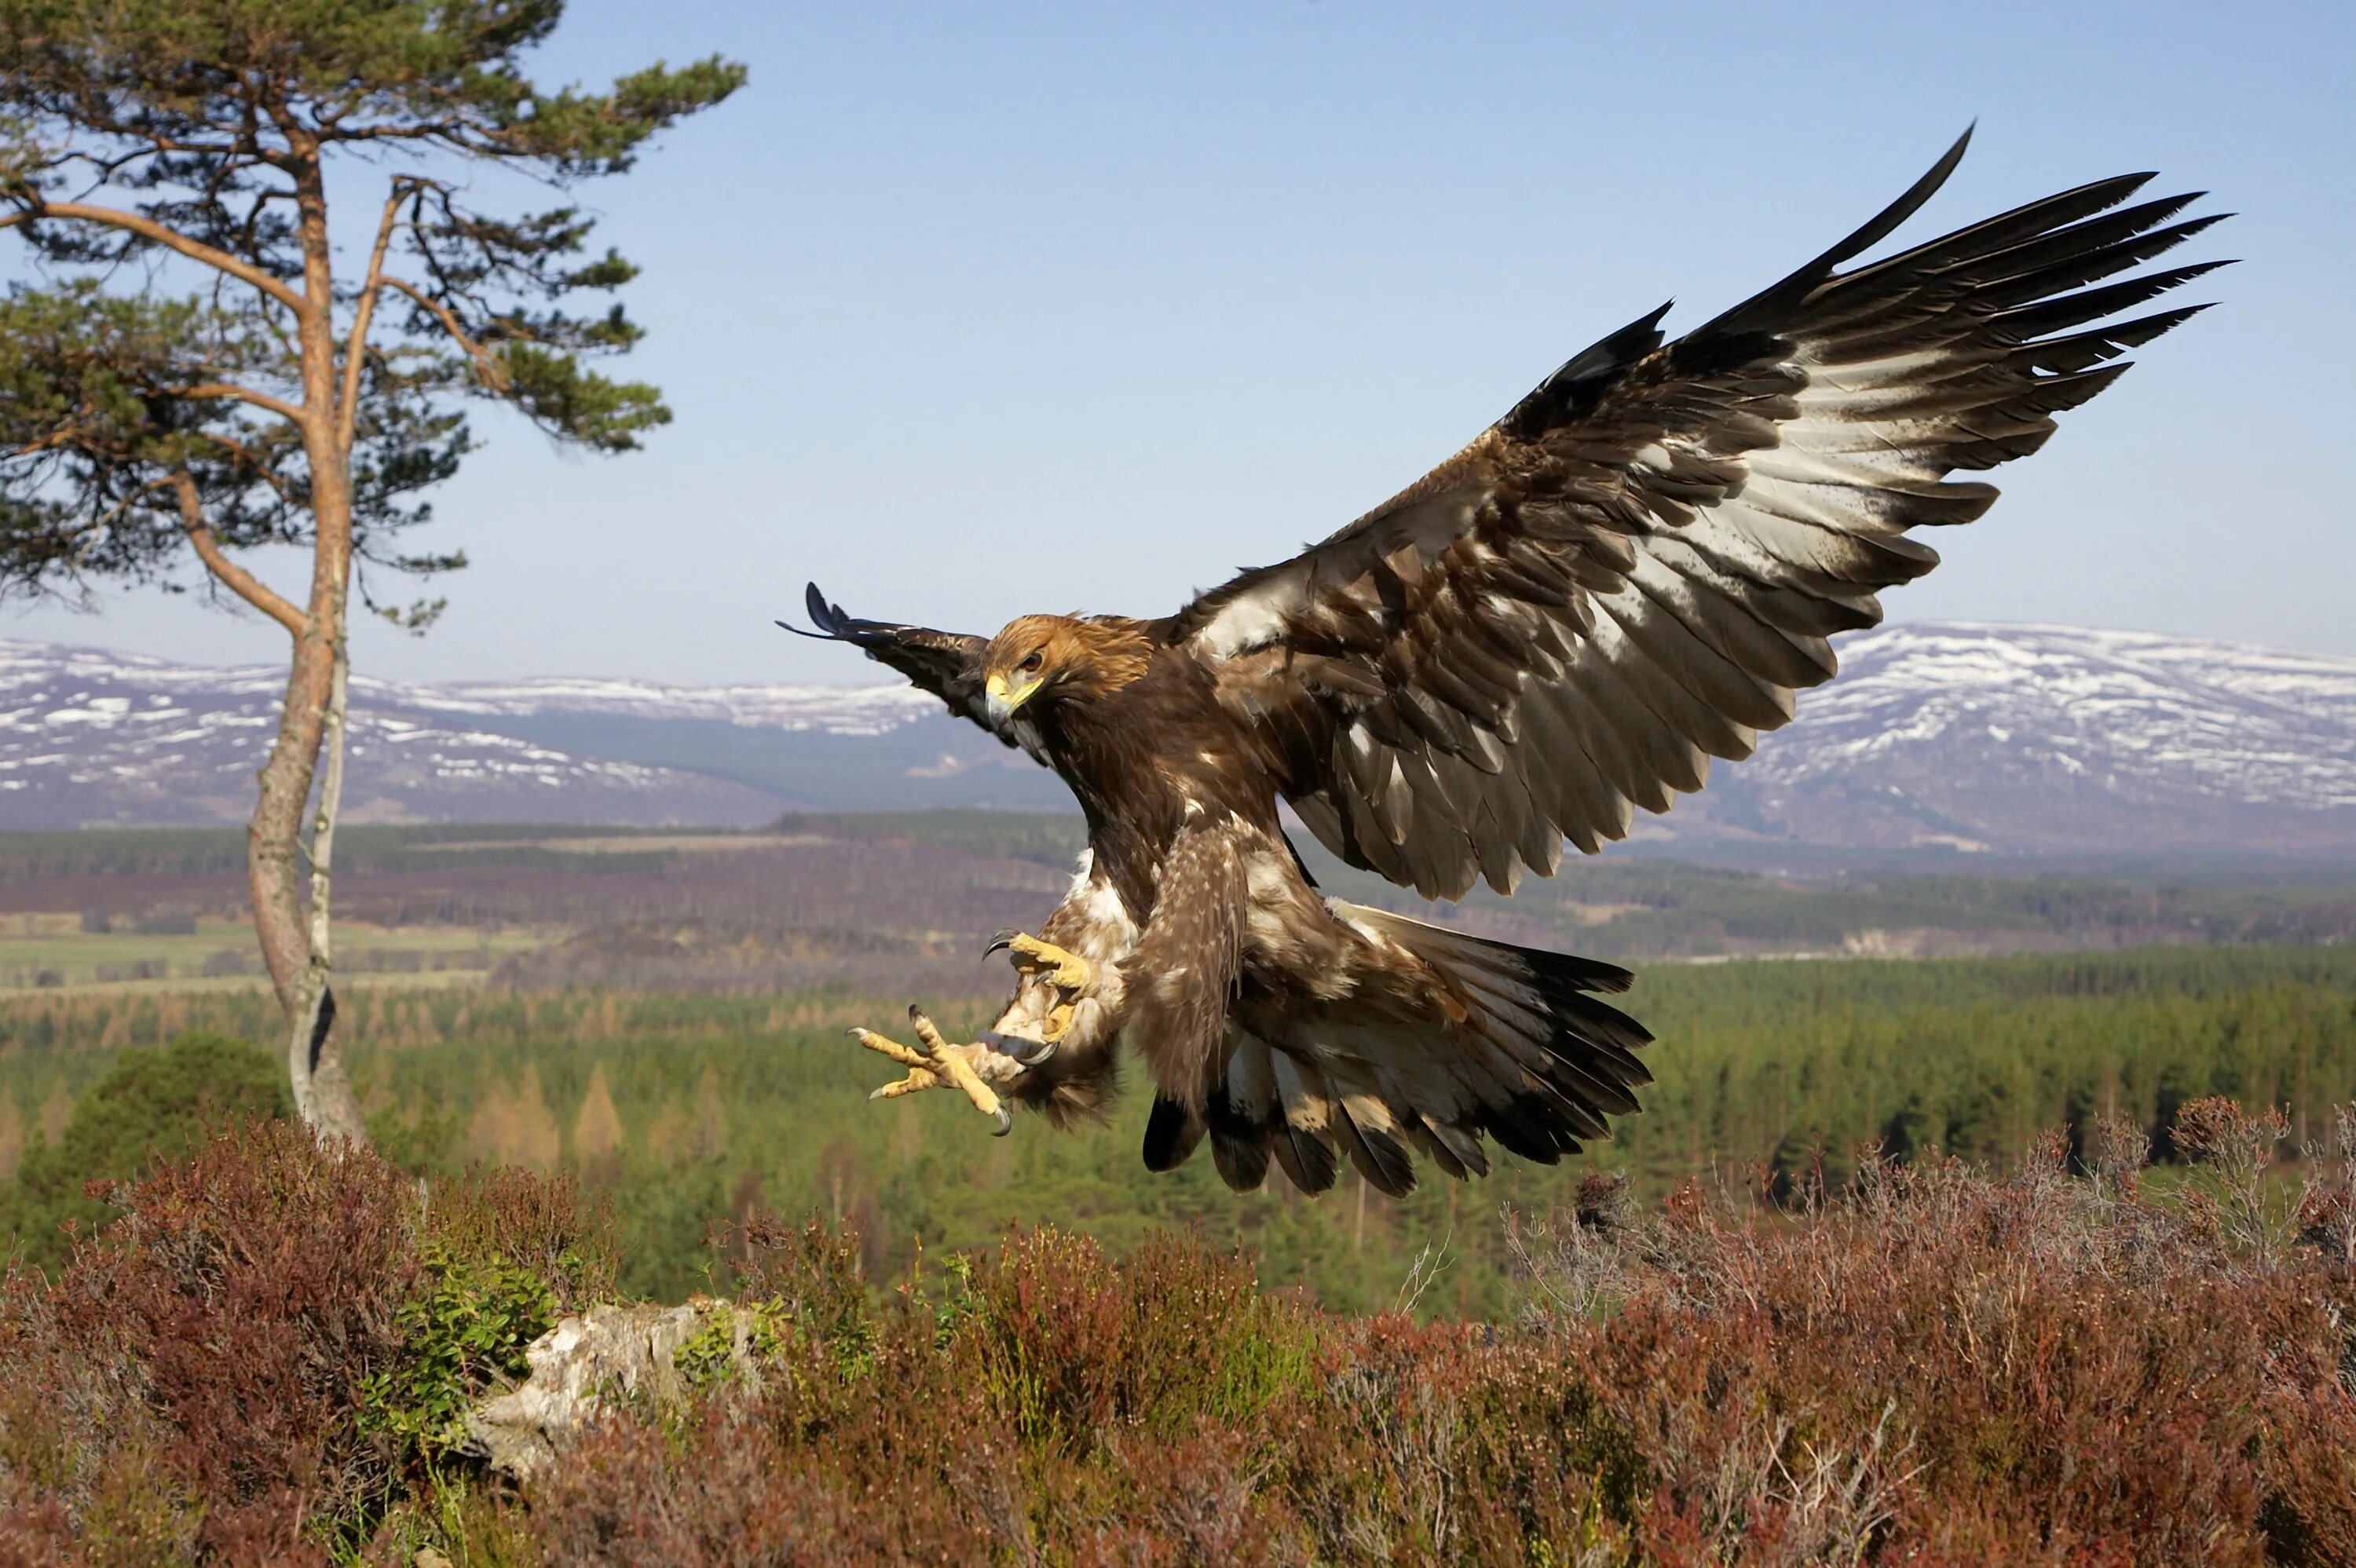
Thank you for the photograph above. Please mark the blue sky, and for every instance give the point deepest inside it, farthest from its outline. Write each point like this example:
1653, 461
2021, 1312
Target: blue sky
970, 311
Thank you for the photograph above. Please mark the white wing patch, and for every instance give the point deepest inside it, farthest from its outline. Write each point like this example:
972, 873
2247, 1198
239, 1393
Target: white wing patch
1254, 618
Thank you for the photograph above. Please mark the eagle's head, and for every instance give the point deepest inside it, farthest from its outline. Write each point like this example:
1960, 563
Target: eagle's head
1060, 660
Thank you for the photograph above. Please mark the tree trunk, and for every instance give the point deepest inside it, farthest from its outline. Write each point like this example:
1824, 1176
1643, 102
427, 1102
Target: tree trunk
273, 835
315, 1054
297, 951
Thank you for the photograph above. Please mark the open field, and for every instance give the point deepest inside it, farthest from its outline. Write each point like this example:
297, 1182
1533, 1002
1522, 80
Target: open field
44, 952
663, 1012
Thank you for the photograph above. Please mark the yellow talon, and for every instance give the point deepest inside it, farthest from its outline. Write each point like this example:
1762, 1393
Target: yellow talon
887, 1046
934, 1062
1068, 971
917, 1078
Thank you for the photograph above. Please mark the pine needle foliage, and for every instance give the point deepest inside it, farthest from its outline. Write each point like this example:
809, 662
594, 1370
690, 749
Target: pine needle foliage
202, 364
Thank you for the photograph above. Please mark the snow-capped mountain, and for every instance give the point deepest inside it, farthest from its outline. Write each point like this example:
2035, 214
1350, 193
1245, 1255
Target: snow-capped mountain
2018, 739
2028, 738
89, 737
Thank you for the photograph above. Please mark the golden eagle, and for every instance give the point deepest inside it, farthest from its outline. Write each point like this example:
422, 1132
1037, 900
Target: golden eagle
1629, 575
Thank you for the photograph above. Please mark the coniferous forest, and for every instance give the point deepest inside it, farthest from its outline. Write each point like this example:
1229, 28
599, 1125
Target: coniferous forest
685, 1111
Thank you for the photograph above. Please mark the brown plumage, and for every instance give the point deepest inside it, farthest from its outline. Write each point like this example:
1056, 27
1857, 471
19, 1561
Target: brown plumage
1629, 575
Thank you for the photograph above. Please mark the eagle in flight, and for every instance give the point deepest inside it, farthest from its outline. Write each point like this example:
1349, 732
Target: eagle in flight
1629, 575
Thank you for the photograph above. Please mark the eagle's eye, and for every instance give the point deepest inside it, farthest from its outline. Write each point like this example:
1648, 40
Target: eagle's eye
1036, 657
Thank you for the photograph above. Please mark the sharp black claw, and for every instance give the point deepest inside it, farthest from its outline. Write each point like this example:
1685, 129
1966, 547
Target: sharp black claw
1005, 1123
1001, 943
1029, 1052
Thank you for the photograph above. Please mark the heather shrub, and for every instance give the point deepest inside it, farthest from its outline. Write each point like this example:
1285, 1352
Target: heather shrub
1450, 1443
1943, 1364
540, 1225
268, 1347
2327, 1199
2234, 1150
1074, 1347
2071, 1362
231, 1318
81, 1459
809, 1279
874, 1447
726, 1486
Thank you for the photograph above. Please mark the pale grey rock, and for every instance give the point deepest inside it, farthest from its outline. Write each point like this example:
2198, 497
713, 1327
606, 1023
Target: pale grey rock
609, 1353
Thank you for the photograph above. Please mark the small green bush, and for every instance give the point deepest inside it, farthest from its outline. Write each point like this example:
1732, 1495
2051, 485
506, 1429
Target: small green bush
156, 1105
1076, 1346
463, 1331
501, 1254
708, 1359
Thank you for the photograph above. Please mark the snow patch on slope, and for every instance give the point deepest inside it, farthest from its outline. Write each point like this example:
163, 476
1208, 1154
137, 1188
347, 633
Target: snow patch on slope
1959, 734
2142, 712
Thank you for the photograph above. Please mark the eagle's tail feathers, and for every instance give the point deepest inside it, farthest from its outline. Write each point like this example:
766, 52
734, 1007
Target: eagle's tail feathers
1539, 1067
1241, 1153
1369, 1133
1171, 1133
1533, 1060
1455, 1149
1305, 1111
1244, 1114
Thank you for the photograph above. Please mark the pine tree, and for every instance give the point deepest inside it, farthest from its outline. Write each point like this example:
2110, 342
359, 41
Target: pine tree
199, 374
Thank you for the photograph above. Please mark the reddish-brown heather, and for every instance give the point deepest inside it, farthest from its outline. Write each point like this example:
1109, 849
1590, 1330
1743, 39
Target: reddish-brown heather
1931, 1365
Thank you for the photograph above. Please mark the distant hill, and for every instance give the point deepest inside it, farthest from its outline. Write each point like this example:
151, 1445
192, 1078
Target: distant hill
2044, 739
1956, 737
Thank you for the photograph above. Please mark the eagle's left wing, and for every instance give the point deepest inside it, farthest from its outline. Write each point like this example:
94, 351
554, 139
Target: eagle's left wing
1635, 570
947, 664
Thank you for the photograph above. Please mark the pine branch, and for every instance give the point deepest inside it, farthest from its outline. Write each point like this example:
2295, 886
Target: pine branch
486, 366
170, 239
348, 409
291, 412
238, 580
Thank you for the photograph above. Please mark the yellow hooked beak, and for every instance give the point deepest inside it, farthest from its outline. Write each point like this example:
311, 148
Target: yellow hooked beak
1004, 698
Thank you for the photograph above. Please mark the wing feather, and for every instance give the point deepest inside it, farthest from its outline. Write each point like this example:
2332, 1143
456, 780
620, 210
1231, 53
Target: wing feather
947, 664
1635, 568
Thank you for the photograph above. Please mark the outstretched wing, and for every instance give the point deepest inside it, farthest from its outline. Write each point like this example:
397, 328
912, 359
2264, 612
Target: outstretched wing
947, 664
1635, 570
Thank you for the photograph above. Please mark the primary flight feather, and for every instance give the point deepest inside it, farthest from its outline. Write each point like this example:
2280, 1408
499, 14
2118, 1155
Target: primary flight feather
1629, 573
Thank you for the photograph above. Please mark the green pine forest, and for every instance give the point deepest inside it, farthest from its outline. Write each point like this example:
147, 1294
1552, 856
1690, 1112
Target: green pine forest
680, 1111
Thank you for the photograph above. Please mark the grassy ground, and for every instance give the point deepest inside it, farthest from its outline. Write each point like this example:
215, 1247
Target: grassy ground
52, 951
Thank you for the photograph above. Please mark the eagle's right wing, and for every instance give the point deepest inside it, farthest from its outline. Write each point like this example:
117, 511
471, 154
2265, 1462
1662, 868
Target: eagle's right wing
947, 664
